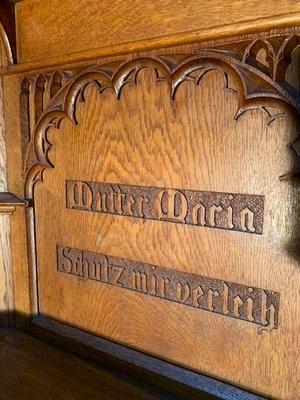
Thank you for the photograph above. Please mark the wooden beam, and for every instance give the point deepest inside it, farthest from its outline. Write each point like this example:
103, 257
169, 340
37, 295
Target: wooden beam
9, 202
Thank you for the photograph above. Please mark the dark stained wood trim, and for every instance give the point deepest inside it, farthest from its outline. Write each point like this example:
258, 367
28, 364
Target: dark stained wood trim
7, 19
184, 383
9, 202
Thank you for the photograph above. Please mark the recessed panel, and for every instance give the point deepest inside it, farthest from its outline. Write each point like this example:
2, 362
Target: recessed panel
164, 226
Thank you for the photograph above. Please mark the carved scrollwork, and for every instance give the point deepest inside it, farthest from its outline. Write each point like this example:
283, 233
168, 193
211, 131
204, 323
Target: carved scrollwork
255, 88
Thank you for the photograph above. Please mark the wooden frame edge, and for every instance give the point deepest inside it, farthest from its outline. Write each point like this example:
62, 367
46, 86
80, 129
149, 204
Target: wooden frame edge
174, 379
223, 32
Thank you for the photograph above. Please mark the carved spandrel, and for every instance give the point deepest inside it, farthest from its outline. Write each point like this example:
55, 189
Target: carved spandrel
238, 212
36, 92
247, 303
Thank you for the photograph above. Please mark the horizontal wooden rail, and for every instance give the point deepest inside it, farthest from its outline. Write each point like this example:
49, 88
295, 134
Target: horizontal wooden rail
9, 202
185, 383
202, 35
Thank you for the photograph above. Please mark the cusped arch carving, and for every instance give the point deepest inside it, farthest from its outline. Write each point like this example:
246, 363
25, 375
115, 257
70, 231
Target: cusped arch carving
253, 49
283, 57
255, 90
8, 56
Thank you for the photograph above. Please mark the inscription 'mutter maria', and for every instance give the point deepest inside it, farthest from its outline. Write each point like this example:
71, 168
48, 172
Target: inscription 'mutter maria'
239, 212
251, 304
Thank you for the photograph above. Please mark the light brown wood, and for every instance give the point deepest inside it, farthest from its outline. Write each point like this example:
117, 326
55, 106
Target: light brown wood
61, 28
192, 142
89, 57
24, 295
217, 121
6, 287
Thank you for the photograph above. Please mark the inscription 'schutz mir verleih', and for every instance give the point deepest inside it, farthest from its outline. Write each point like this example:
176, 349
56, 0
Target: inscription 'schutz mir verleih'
247, 303
239, 212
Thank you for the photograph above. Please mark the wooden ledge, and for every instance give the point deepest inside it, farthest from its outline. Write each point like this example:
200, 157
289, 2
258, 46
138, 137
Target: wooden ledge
232, 31
9, 202
177, 380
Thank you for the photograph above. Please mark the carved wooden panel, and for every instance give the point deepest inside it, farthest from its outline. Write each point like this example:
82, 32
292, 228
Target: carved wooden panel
36, 92
165, 212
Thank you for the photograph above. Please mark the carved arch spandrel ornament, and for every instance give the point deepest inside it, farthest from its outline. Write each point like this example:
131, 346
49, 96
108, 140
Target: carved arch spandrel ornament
255, 90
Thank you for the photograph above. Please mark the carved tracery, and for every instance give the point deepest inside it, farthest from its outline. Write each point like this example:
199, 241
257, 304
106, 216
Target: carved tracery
259, 86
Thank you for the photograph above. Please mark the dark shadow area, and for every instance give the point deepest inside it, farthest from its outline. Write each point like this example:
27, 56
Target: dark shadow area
7, 19
33, 369
63, 362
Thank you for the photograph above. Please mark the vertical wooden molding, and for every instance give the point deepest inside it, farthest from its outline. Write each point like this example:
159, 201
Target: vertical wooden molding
6, 285
7, 57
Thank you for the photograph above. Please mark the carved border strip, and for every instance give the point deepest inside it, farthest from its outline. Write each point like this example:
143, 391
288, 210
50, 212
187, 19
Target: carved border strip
255, 90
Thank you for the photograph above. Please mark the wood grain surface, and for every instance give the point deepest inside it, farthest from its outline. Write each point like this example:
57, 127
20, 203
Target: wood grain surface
144, 138
60, 28
6, 289
183, 383
19, 249
193, 142
32, 369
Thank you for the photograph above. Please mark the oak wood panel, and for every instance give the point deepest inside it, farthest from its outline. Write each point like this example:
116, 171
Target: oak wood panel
146, 139
287, 246
32, 369
60, 28
23, 299
150, 47
6, 287
183, 383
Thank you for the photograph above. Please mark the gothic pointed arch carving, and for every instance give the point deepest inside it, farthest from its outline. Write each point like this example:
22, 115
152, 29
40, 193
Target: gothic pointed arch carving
254, 89
7, 59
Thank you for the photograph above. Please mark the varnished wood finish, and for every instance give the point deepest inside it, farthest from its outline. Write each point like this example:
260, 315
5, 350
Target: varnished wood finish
32, 370
254, 89
23, 276
9, 202
182, 383
142, 25
6, 279
170, 141
218, 117
8, 30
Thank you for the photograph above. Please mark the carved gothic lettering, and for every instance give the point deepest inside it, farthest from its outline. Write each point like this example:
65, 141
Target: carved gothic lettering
115, 276
183, 292
172, 206
212, 214
80, 196
198, 214
250, 304
190, 207
196, 295
139, 281
247, 218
